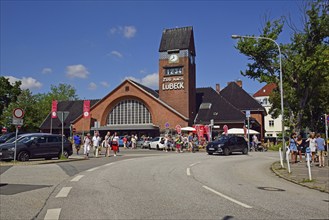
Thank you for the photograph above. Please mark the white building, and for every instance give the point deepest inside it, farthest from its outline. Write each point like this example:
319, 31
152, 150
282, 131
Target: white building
272, 126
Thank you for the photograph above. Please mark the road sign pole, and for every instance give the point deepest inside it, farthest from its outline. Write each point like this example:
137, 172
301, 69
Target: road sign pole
62, 133
326, 118
15, 143
51, 125
248, 135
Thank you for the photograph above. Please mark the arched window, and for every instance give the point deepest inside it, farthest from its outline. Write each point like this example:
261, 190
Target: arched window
128, 112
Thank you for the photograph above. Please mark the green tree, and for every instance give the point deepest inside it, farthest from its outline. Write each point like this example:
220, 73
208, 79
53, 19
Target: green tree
305, 67
8, 93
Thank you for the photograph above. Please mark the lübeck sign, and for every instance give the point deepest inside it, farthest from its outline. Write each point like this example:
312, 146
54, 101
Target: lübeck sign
173, 84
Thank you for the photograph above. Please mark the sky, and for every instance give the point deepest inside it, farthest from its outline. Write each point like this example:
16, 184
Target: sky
95, 45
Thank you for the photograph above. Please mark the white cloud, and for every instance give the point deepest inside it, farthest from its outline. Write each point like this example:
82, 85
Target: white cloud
92, 86
46, 70
27, 82
151, 80
125, 31
116, 53
129, 31
105, 84
77, 71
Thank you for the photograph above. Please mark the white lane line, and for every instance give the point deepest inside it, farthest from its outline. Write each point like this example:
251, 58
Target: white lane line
64, 192
92, 169
108, 164
188, 171
52, 214
193, 164
77, 178
227, 197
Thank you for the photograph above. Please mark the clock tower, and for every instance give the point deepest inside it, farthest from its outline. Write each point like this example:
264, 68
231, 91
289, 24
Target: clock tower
177, 72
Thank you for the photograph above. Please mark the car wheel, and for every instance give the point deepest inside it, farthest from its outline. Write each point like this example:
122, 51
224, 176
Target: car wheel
245, 150
65, 154
23, 156
210, 153
226, 151
158, 147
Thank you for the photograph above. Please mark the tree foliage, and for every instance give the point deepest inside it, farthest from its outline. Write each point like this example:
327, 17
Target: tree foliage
8, 92
305, 67
36, 107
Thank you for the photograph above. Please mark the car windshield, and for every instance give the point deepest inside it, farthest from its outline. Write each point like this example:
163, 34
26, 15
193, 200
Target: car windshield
222, 139
12, 140
4, 137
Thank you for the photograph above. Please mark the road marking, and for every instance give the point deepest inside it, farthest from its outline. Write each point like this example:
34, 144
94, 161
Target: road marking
92, 169
188, 172
52, 214
227, 197
193, 164
77, 178
64, 192
108, 164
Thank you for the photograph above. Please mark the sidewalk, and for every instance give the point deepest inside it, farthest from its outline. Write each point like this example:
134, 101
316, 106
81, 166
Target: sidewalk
299, 175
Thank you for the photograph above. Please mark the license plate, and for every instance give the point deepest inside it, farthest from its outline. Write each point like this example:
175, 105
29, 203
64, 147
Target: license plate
210, 148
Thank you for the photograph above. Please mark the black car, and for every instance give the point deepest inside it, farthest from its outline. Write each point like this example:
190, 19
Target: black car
228, 144
36, 145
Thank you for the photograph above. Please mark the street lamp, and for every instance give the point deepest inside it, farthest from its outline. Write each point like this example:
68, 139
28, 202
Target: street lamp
281, 87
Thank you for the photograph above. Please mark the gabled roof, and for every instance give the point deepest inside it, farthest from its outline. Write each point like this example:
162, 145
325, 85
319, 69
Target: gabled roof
177, 38
266, 90
147, 89
240, 98
74, 107
214, 106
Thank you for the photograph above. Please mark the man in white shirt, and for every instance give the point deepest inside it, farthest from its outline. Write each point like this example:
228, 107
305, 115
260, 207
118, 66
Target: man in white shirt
96, 140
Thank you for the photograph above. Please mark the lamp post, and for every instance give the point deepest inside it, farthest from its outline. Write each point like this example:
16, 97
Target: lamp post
281, 87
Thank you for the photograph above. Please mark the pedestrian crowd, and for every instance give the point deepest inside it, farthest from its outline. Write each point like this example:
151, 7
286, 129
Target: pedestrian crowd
314, 148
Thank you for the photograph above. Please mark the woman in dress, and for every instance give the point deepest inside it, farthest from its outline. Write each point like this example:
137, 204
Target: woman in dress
86, 145
115, 144
293, 147
311, 141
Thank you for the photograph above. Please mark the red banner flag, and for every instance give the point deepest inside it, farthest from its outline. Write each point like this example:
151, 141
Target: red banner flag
54, 109
86, 108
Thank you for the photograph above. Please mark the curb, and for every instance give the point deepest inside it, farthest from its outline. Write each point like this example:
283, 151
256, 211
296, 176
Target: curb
294, 181
38, 162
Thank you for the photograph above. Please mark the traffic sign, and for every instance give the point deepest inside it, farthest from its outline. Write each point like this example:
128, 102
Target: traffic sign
62, 115
248, 114
18, 113
4, 130
17, 121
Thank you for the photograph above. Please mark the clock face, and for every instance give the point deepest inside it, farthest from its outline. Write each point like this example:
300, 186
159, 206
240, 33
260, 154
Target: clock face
173, 58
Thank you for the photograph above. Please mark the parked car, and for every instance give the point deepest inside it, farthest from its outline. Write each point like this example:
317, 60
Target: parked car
36, 145
227, 145
156, 143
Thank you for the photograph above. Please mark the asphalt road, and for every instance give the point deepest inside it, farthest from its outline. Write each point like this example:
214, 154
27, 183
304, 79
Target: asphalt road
158, 185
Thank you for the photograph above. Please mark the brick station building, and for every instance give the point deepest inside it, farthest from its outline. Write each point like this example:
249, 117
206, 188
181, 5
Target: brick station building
132, 108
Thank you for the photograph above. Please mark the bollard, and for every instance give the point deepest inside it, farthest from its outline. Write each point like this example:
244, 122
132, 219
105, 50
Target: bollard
281, 160
309, 166
287, 158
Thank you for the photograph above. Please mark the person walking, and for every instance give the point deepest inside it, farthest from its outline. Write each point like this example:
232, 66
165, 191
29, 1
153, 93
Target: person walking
190, 142
311, 140
299, 143
293, 147
124, 140
96, 141
320, 147
86, 145
115, 144
77, 142
106, 144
